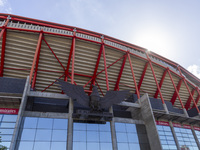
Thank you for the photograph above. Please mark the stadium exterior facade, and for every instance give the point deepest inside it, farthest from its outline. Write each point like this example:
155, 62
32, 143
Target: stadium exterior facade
161, 113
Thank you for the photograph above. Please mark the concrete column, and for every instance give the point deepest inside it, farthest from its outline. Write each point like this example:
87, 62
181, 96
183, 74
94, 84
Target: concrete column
174, 135
185, 112
20, 115
70, 125
113, 132
195, 137
149, 120
165, 108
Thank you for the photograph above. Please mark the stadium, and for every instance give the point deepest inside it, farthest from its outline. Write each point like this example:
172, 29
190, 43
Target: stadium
161, 112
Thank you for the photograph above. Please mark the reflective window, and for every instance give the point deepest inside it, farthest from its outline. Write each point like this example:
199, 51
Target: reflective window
7, 125
166, 137
92, 136
127, 137
43, 134
197, 134
185, 138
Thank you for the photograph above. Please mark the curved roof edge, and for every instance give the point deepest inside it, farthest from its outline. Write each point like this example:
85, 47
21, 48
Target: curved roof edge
192, 78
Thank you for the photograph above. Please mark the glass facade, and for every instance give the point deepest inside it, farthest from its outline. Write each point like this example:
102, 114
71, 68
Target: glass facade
43, 133
92, 136
197, 134
166, 137
7, 125
127, 138
185, 138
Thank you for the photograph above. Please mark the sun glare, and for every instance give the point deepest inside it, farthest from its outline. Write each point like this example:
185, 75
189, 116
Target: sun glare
153, 40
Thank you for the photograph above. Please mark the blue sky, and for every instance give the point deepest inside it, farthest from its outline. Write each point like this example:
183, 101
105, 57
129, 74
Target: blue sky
170, 28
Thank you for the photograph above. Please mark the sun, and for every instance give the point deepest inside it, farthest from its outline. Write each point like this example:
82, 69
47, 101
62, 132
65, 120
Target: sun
154, 40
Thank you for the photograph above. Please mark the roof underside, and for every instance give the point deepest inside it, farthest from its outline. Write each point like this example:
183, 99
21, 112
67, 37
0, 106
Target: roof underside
21, 41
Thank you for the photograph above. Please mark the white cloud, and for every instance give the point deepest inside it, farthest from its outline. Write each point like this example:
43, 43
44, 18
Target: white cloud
5, 7
194, 69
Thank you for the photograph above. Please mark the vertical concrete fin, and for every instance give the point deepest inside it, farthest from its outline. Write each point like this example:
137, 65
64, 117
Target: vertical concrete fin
148, 118
20, 114
70, 125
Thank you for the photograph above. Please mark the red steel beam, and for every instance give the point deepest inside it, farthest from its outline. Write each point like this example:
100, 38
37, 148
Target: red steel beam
3, 33
177, 92
105, 66
4, 28
120, 73
197, 99
155, 78
137, 91
96, 67
161, 82
36, 65
35, 57
188, 103
142, 76
189, 90
69, 58
110, 65
173, 99
73, 57
54, 53
3, 53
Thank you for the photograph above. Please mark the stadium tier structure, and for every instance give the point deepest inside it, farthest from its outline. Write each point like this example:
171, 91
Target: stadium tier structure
161, 111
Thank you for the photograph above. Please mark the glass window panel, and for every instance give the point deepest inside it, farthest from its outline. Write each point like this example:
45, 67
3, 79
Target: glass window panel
79, 145
6, 131
1, 116
159, 127
42, 146
26, 145
92, 136
43, 135
162, 137
176, 129
105, 146
92, 127
7, 125
122, 137
131, 128
60, 124
58, 145
92, 146
28, 134
59, 135
120, 127
30, 122
163, 142
123, 146
134, 146
6, 137
165, 146
9, 118
105, 137
104, 127
132, 138
45, 123
79, 136
79, 126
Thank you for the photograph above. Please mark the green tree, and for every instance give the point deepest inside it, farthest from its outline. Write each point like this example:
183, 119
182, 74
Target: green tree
1, 146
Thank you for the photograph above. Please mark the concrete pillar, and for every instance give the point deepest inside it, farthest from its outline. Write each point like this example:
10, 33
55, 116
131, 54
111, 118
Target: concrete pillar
165, 108
174, 135
70, 125
20, 115
113, 132
185, 112
148, 117
195, 137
